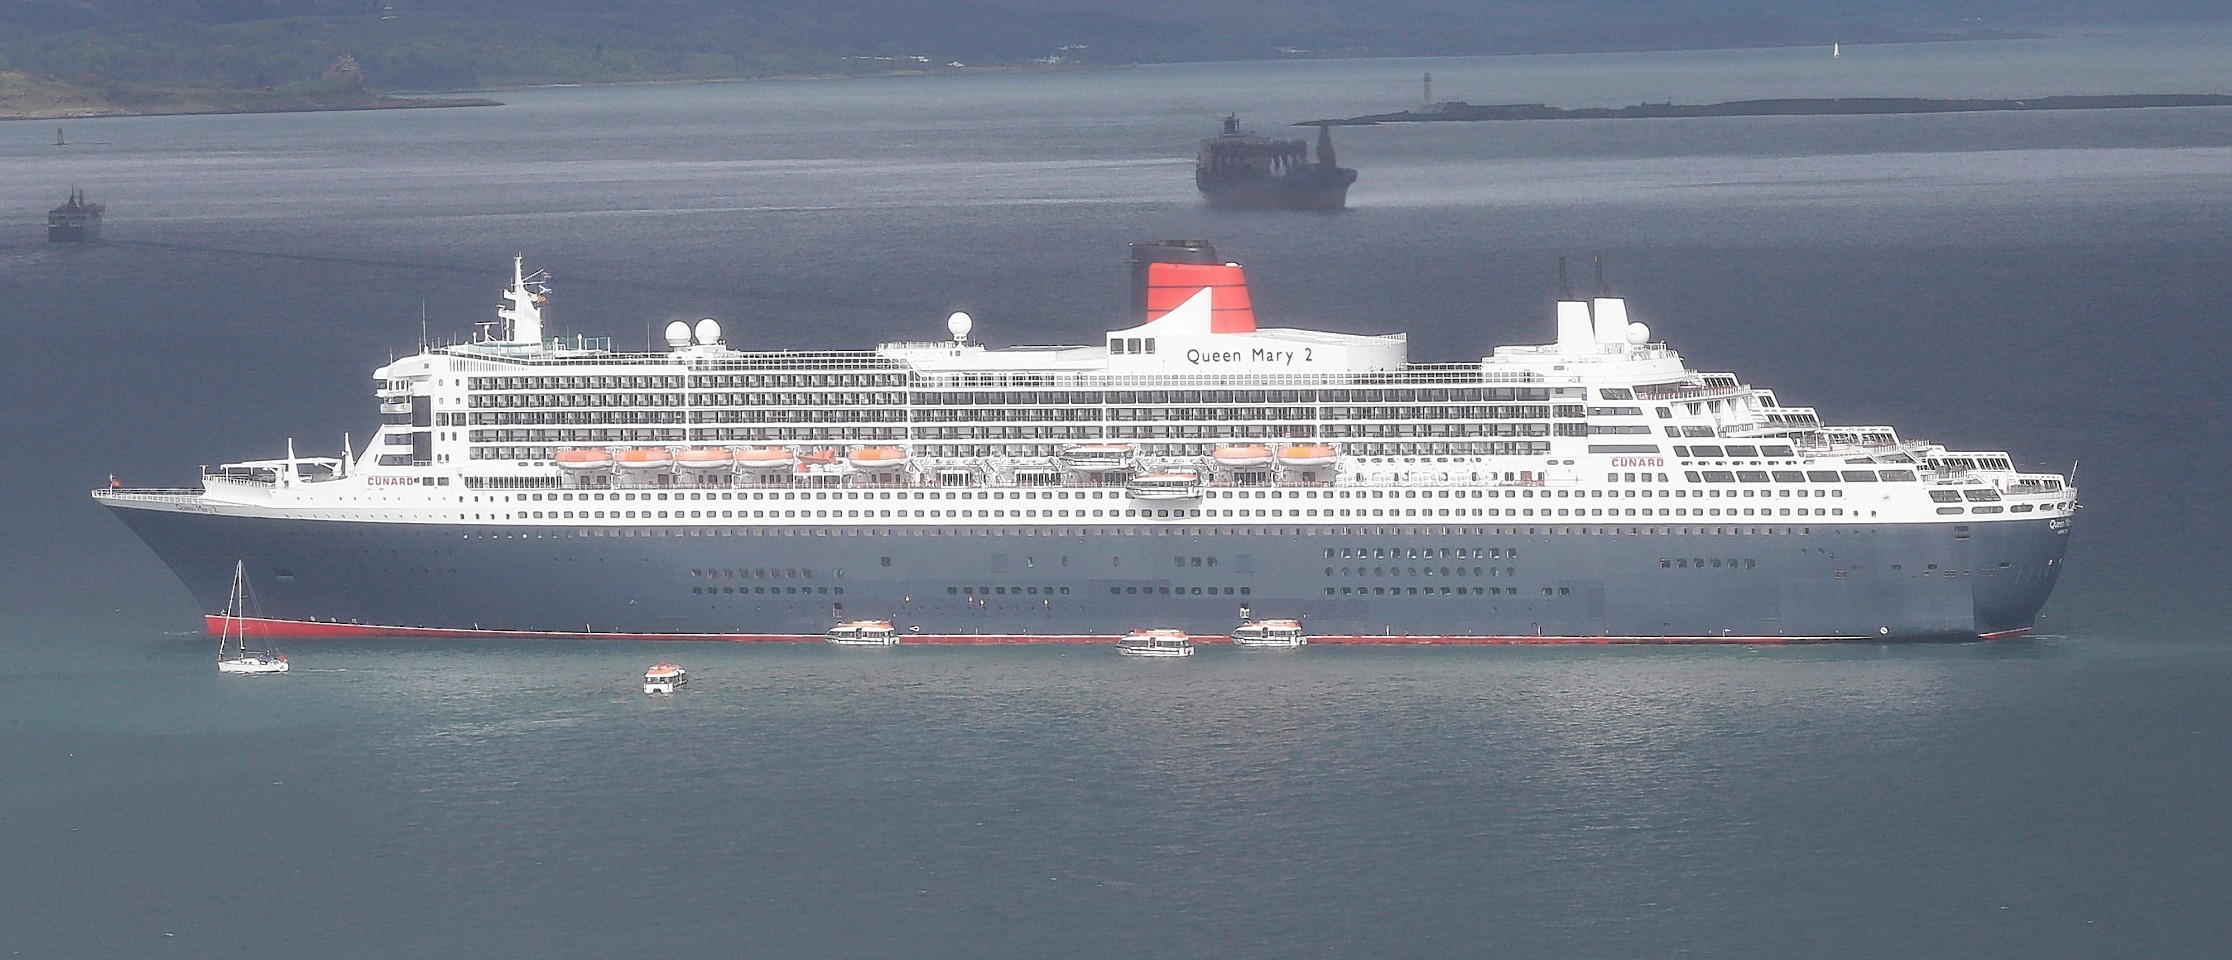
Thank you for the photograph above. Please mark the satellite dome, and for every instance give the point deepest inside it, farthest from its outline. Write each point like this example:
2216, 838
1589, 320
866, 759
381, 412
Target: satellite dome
678, 334
1638, 333
959, 324
709, 331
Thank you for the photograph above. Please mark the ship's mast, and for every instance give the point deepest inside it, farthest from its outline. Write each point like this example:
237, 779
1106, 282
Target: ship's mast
520, 311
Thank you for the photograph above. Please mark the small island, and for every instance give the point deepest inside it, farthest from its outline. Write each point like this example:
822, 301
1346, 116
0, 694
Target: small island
1459, 110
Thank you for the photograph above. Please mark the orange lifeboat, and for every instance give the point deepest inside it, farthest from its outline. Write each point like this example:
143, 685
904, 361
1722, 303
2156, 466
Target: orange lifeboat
877, 458
1243, 456
766, 458
815, 458
592, 458
705, 458
645, 458
1309, 455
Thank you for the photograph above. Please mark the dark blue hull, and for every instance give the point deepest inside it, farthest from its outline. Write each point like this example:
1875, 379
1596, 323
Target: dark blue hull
1694, 582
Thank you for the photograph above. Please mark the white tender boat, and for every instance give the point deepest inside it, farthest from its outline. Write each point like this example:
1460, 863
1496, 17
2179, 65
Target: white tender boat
1166, 485
1098, 457
1156, 643
664, 678
1269, 634
863, 633
233, 655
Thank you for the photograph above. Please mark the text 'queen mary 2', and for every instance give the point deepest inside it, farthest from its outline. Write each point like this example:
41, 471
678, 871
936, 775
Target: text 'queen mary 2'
1190, 465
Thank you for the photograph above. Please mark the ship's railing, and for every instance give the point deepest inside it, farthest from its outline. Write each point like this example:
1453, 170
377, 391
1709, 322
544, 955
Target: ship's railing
853, 361
1440, 373
158, 494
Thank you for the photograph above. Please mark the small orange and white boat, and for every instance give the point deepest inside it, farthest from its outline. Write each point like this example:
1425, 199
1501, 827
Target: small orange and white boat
664, 678
1166, 485
766, 458
877, 459
706, 458
1269, 634
863, 633
1098, 457
1156, 643
645, 458
587, 458
1309, 455
1243, 456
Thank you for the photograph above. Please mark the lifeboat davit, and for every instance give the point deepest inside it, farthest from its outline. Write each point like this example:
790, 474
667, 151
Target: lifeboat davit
766, 458
877, 458
1309, 455
645, 458
593, 458
1098, 457
1243, 456
705, 458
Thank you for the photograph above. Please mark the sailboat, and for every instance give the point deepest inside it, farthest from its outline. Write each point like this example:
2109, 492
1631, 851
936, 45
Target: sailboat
233, 655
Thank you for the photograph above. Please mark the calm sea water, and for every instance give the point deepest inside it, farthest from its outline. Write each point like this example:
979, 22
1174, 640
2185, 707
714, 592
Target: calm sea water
2050, 284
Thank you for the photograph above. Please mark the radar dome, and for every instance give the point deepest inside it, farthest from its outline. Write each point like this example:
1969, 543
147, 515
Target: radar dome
678, 334
709, 331
959, 324
1638, 333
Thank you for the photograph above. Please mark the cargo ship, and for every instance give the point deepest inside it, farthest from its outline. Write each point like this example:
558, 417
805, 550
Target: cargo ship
1186, 470
1242, 171
75, 221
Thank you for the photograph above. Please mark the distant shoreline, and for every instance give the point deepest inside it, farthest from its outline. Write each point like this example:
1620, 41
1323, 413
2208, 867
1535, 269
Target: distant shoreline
90, 112
1458, 111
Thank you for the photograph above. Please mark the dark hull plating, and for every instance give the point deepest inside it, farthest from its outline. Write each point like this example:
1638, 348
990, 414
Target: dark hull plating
1307, 189
1852, 582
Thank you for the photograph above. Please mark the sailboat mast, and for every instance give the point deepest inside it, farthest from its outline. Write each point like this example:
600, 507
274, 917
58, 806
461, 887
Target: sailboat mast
233, 612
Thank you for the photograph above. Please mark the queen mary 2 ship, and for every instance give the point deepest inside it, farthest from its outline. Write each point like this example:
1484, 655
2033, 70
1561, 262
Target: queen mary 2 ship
1186, 466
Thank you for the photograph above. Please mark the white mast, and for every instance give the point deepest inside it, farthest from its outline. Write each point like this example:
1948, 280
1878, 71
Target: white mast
520, 309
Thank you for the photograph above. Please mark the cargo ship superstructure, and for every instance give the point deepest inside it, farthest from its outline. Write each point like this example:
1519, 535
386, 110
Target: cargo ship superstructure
1243, 171
1187, 466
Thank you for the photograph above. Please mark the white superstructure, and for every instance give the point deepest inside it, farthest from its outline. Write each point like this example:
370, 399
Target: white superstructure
1160, 421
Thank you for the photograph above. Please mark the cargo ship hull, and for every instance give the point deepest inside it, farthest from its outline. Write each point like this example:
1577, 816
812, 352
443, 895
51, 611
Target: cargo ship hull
1314, 191
1688, 583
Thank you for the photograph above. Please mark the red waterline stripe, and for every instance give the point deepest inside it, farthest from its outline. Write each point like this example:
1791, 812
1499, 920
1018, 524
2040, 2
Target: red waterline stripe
321, 629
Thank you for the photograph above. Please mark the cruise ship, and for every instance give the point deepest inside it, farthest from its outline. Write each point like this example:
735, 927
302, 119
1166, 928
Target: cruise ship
1187, 467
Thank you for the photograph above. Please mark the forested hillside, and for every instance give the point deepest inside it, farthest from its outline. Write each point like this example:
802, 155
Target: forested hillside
466, 44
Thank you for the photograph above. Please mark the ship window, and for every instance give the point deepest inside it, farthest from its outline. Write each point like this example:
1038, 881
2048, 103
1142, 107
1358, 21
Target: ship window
1859, 476
1150, 344
1822, 476
1115, 344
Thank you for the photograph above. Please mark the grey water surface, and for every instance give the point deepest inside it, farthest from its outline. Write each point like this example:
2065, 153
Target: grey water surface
2053, 284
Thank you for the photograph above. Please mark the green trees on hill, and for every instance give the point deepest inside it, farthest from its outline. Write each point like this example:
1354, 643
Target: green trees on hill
459, 44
